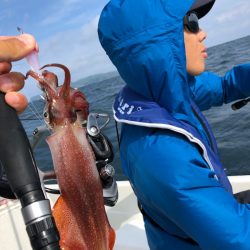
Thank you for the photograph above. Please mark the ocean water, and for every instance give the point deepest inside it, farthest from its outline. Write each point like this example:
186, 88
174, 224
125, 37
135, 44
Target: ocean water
231, 128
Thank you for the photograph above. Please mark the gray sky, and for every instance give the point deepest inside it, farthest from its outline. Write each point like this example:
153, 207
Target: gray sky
66, 31
228, 20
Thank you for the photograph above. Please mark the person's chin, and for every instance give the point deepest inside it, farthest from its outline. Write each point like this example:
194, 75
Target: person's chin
197, 71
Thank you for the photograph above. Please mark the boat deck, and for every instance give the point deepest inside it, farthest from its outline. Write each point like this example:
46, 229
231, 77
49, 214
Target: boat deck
125, 218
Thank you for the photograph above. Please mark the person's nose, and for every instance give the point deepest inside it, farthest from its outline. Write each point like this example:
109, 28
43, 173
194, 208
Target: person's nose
202, 35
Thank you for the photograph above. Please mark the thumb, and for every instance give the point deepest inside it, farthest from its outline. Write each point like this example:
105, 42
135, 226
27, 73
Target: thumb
13, 48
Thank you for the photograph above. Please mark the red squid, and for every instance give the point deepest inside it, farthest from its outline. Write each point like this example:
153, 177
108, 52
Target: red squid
79, 212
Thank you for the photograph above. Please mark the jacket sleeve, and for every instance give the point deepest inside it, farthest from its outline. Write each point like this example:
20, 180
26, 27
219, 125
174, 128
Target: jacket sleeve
210, 89
176, 184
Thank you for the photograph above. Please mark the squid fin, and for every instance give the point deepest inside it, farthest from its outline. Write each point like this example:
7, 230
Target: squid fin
111, 238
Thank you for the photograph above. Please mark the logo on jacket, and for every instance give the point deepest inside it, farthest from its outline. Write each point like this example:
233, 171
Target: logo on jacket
125, 108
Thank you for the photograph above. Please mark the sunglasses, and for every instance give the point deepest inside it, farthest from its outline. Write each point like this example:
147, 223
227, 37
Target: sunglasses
191, 22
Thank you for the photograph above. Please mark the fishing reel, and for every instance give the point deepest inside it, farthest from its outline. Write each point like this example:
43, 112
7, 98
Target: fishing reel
104, 155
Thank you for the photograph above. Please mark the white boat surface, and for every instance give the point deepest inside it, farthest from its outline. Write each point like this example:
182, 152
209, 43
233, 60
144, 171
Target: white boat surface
124, 217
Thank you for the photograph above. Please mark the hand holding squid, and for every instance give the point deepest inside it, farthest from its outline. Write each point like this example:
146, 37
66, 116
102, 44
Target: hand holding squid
14, 48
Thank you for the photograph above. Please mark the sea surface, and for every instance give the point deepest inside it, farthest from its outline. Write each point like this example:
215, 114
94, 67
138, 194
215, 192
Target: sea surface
231, 128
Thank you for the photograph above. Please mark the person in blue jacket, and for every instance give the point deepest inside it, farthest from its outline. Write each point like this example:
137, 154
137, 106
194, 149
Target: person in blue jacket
167, 148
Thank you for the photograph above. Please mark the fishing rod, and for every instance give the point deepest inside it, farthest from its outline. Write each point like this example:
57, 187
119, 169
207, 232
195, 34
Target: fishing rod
19, 164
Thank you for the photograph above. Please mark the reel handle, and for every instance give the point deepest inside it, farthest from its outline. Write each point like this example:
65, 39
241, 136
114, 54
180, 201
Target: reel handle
239, 104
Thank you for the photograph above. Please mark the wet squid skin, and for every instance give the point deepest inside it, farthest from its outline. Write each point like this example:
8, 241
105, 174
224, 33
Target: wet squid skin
79, 212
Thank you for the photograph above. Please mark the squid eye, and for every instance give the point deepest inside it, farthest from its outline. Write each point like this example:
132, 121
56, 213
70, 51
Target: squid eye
45, 114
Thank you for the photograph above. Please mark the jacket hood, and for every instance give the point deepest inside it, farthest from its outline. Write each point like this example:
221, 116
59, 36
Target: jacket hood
144, 40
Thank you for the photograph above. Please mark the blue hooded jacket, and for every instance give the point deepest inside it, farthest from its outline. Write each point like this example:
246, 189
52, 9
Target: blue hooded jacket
167, 148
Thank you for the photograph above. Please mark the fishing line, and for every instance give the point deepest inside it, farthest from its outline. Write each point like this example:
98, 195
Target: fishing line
35, 112
29, 119
33, 105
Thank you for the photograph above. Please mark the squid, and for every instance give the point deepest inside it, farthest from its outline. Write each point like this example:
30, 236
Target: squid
79, 212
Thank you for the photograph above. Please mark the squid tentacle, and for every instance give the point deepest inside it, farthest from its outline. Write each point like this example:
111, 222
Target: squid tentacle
42, 82
65, 90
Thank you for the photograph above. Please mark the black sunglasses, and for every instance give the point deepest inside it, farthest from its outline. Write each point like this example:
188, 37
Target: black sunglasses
191, 22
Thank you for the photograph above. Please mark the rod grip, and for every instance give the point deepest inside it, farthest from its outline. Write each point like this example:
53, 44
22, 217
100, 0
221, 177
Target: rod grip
15, 152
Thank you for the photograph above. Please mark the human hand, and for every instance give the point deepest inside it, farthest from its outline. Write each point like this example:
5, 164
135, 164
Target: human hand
14, 48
